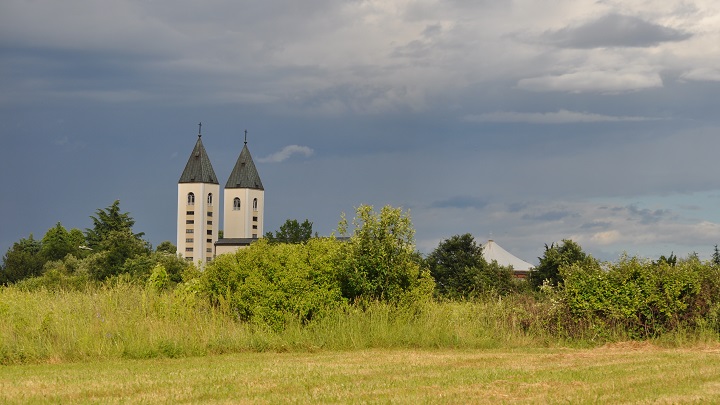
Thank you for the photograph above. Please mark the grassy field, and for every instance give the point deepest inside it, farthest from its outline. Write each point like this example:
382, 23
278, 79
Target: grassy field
618, 373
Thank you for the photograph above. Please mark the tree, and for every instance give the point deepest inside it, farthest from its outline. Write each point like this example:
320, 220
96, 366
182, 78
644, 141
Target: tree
716, 256
454, 265
58, 243
22, 260
379, 260
166, 247
114, 251
670, 260
460, 271
291, 232
109, 220
565, 254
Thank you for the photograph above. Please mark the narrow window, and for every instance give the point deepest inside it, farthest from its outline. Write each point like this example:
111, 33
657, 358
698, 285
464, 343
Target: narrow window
209, 250
209, 213
189, 240
191, 199
255, 219
210, 200
189, 231
189, 221
189, 258
254, 226
209, 240
209, 232
188, 249
209, 222
189, 212
255, 204
236, 204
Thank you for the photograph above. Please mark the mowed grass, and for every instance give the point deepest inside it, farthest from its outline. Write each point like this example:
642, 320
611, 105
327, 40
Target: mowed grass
619, 373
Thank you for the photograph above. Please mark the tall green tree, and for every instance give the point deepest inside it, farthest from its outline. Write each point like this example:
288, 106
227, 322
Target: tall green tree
111, 254
454, 265
109, 220
58, 243
716, 256
291, 232
461, 271
380, 261
112, 242
556, 256
22, 260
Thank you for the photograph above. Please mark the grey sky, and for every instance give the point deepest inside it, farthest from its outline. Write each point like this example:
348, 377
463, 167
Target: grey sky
527, 121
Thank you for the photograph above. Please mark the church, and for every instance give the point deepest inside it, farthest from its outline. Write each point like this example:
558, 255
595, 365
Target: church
199, 199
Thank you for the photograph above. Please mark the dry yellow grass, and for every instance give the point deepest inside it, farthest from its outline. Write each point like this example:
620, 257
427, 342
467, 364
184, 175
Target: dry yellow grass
619, 373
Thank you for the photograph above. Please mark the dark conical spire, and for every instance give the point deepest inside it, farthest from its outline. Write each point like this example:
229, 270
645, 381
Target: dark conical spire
198, 168
244, 174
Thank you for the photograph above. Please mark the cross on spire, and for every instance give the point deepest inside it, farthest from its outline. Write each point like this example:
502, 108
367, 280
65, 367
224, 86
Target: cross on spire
199, 129
246, 137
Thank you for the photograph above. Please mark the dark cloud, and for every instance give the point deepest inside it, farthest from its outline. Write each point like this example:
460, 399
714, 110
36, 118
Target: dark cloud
549, 216
516, 207
614, 30
595, 225
460, 202
647, 216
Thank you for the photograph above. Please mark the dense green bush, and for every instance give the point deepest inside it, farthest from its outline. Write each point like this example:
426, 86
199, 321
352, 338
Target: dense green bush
273, 283
644, 298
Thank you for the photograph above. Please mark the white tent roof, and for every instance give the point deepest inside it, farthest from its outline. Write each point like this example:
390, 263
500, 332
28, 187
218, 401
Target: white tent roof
492, 251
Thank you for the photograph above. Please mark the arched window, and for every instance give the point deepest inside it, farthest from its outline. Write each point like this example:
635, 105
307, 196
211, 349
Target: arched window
236, 204
191, 199
209, 200
255, 204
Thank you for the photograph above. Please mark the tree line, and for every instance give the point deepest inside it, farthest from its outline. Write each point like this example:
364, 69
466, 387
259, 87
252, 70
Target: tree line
110, 248
293, 274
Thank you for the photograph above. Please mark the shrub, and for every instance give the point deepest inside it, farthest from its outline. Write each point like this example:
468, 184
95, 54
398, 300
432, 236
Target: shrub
274, 283
645, 298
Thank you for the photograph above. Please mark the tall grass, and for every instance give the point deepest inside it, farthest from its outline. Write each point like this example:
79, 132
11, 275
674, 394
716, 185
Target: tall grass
129, 321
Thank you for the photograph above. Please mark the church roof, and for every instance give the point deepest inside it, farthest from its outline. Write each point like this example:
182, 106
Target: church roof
198, 168
244, 174
235, 241
492, 251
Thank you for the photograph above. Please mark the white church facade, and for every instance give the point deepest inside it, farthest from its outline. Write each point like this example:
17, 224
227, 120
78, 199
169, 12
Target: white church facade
198, 219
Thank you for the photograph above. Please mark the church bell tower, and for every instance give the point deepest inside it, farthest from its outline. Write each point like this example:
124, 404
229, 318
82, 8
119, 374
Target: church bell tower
198, 201
244, 199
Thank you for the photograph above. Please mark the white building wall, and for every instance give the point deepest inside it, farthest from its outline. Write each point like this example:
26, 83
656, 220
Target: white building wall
246, 222
205, 221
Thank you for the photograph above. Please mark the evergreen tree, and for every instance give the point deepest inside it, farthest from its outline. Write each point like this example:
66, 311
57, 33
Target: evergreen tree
109, 220
22, 260
58, 243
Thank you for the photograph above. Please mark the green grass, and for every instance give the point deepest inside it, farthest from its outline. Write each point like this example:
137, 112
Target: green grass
624, 373
124, 343
127, 321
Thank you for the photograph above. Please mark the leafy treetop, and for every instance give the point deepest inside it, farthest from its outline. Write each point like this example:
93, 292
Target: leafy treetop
291, 232
107, 221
